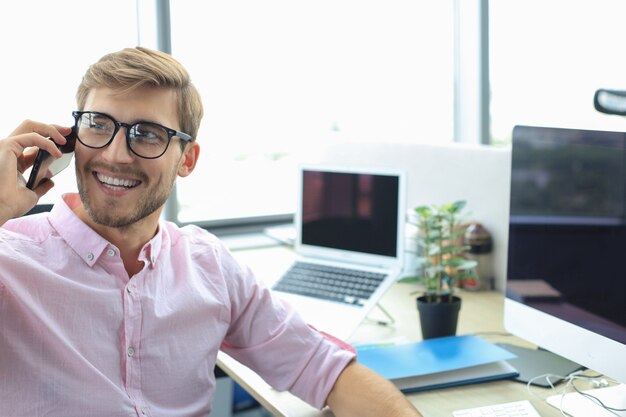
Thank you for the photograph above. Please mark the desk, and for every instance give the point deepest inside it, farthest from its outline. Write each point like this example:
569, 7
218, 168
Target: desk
481, 313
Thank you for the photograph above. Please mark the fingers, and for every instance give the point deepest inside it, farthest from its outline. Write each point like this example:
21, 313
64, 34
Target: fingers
61, 132
30, 133
28, 140
27, 159
56, 132
43, 187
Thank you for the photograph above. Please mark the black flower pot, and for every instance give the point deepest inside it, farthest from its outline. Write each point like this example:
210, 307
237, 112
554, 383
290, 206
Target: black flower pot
438, 319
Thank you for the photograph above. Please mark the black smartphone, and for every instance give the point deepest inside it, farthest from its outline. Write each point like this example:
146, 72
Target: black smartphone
46, 166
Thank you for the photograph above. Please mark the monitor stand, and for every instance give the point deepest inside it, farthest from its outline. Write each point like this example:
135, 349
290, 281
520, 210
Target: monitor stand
579, 405
532, 363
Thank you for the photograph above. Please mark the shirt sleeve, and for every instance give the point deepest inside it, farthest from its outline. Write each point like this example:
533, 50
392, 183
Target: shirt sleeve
271, 338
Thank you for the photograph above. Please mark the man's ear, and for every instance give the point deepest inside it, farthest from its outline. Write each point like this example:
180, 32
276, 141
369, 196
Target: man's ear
189, 159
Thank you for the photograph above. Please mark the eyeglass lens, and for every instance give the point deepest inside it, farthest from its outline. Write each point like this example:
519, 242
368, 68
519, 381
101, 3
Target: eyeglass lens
146, 139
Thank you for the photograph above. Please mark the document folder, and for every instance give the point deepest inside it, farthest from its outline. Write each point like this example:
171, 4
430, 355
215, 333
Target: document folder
437, 363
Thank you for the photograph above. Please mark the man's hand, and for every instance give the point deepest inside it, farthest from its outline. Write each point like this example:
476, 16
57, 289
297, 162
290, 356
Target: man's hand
360, 392
17, 153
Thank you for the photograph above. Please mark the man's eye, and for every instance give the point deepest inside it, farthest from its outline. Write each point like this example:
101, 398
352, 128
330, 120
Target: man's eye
149, 134
145, 134
96, 128
99, 126
96, 124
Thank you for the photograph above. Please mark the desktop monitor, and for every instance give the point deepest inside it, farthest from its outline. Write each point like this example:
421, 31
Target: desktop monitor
566, 266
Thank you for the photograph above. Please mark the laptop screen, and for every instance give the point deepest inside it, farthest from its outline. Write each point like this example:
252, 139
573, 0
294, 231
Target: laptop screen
350, 211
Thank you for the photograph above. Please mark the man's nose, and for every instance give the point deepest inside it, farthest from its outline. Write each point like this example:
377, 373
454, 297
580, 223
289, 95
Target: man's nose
117, 150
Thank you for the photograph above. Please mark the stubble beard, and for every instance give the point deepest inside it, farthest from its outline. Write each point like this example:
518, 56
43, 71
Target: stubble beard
107, 215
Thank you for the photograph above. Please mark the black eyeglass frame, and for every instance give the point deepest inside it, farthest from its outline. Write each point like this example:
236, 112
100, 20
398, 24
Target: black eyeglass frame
170, 132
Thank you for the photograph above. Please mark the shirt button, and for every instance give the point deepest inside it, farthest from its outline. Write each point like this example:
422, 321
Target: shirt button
130, 351
111, 252
90, 256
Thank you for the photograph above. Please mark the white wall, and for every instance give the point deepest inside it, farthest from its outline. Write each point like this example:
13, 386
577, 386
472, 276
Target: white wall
478, 174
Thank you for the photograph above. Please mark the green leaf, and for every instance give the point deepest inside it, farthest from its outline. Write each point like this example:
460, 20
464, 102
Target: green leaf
433, 250
451, 250
459, 205
468, 264
423, 211
433, 270
460, 263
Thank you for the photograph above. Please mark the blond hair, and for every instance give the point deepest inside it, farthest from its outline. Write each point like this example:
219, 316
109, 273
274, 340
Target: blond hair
132, 68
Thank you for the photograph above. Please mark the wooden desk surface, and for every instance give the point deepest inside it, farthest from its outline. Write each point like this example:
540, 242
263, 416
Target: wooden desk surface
481, 313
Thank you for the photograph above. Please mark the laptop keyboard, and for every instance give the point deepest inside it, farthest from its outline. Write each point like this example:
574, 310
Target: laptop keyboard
330, 283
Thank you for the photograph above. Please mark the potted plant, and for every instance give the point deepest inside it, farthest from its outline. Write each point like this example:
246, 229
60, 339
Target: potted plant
441, 266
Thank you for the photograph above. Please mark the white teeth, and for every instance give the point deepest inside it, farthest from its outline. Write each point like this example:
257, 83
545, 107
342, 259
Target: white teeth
116, 182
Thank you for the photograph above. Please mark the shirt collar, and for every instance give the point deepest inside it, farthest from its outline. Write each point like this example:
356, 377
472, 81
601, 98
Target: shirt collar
151, 250
85, 241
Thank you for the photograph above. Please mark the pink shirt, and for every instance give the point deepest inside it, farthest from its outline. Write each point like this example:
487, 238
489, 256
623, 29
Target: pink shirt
79, 338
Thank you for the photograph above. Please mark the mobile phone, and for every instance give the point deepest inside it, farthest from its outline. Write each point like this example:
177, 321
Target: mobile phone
46, 166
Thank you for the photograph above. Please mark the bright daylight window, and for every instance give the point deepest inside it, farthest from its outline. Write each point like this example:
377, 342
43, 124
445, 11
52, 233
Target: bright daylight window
47, 46
547, 60
282, 78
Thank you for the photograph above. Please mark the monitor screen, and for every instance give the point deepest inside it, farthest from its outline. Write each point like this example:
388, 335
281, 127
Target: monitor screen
350, 211
566, 275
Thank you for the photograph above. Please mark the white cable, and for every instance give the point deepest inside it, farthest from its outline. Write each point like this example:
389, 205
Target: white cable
566, 389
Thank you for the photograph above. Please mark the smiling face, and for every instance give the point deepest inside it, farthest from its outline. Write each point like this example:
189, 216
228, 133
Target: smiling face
119, 189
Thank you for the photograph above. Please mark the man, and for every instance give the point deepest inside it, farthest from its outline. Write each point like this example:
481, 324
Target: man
105, 310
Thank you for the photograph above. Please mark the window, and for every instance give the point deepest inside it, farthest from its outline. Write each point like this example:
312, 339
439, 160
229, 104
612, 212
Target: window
548, 59
47, 47
280, 79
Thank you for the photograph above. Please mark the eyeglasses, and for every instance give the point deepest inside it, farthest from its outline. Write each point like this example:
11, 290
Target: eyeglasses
145, 139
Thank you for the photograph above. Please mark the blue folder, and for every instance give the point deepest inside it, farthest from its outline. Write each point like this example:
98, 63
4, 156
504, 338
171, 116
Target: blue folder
440, 362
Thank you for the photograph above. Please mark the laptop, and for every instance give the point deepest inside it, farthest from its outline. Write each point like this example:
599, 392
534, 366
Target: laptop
349, 244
